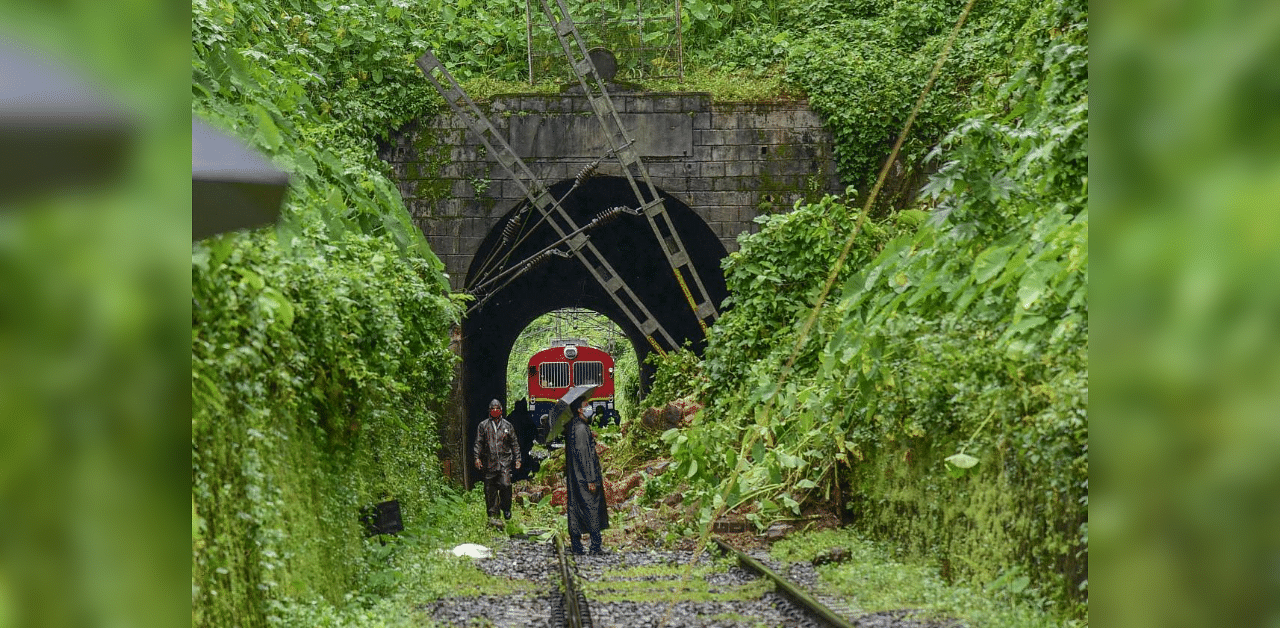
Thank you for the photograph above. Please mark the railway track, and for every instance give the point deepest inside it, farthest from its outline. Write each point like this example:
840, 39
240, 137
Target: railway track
650, 588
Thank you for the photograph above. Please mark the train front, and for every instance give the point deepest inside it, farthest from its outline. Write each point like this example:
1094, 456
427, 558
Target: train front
568, 363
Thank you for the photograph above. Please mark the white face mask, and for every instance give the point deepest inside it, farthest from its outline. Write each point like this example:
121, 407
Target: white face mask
588, 411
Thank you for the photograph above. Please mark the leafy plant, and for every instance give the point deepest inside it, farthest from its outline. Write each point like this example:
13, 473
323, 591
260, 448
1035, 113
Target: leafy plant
959, 327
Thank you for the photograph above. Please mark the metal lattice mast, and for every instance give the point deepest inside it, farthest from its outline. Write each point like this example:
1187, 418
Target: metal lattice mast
580, 244
621, 145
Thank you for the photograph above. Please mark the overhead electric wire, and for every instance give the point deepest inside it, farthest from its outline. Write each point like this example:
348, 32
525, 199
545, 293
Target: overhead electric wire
585, 173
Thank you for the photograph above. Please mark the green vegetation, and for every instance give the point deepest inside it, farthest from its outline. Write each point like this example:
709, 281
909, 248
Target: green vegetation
939, 399
871, 580
695, 590
319, 349
666, 583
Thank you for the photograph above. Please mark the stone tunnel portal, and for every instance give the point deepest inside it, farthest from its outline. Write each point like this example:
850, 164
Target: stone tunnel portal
489, 331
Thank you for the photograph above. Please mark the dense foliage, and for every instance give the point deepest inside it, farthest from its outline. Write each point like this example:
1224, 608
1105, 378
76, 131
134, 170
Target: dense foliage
319, 349
940, 398
862, 65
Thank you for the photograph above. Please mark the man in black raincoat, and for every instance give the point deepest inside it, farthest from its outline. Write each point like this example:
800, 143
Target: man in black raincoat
584, 482
497, 450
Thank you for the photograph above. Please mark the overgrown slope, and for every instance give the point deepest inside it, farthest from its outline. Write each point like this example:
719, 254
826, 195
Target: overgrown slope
319, 348
940, 399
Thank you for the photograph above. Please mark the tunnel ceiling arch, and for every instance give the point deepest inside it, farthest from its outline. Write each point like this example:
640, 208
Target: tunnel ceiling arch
490, 329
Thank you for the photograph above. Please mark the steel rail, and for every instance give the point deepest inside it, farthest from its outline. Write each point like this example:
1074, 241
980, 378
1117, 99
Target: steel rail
573, 612
793, 592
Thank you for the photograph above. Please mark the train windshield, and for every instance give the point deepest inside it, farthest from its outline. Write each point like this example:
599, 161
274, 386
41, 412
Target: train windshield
554, 374
588, 373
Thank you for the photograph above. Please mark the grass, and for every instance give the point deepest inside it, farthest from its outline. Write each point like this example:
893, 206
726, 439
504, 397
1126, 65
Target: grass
731, 86
412, 569
659, 571
872, 580
723, 86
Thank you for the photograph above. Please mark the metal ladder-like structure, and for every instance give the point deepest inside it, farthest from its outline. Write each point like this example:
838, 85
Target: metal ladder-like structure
580, 245
622, 146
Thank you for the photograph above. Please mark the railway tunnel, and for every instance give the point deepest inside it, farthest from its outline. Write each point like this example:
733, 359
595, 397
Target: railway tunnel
718, 165
491, 327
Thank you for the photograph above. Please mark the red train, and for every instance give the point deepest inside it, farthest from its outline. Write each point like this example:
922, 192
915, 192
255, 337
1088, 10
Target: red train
567, 363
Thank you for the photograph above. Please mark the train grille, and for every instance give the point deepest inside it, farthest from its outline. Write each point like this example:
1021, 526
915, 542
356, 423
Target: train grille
588, 374
554, 374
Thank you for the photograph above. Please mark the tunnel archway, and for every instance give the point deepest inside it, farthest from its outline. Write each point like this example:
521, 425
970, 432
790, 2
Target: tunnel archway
490, 329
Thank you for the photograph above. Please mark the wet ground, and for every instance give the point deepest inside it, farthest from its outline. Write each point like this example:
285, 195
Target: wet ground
647, 588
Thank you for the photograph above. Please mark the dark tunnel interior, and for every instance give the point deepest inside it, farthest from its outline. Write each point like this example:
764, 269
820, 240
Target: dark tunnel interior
490, 329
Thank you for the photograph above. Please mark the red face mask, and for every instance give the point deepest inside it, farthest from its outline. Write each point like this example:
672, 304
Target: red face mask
495, 413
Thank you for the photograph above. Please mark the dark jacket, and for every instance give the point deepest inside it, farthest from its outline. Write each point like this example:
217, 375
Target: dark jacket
586, 509
497, 447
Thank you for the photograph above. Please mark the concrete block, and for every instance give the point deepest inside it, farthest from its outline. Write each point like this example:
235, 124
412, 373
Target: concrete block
667, 104
512, 192
712, 168
723, 120
792, 167
468, 246
702, 120
542, 136
461, 188
741, 168
440, 244
457, 264
724, 214
703, 153
746, 197
641, 104
673, 185
664, 169
698, 103
475, 227
704, 199
700, 184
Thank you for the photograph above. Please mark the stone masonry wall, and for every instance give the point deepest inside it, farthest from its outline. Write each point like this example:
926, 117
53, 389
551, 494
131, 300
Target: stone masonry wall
729, 162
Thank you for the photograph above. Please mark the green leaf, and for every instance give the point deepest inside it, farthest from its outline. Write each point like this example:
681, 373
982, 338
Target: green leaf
282, 307
267, 130
1019, 584
1027, 323
962, 461
990, 262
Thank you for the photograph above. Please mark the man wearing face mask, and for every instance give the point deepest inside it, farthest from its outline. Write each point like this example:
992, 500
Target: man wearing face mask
497, 451
587, 511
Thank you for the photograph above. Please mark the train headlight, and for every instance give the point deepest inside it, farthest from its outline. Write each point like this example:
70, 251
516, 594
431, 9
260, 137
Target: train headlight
570, 352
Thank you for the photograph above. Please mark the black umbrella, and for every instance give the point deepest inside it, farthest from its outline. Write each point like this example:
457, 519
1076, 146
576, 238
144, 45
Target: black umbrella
558, 417
55, 131
232, 186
